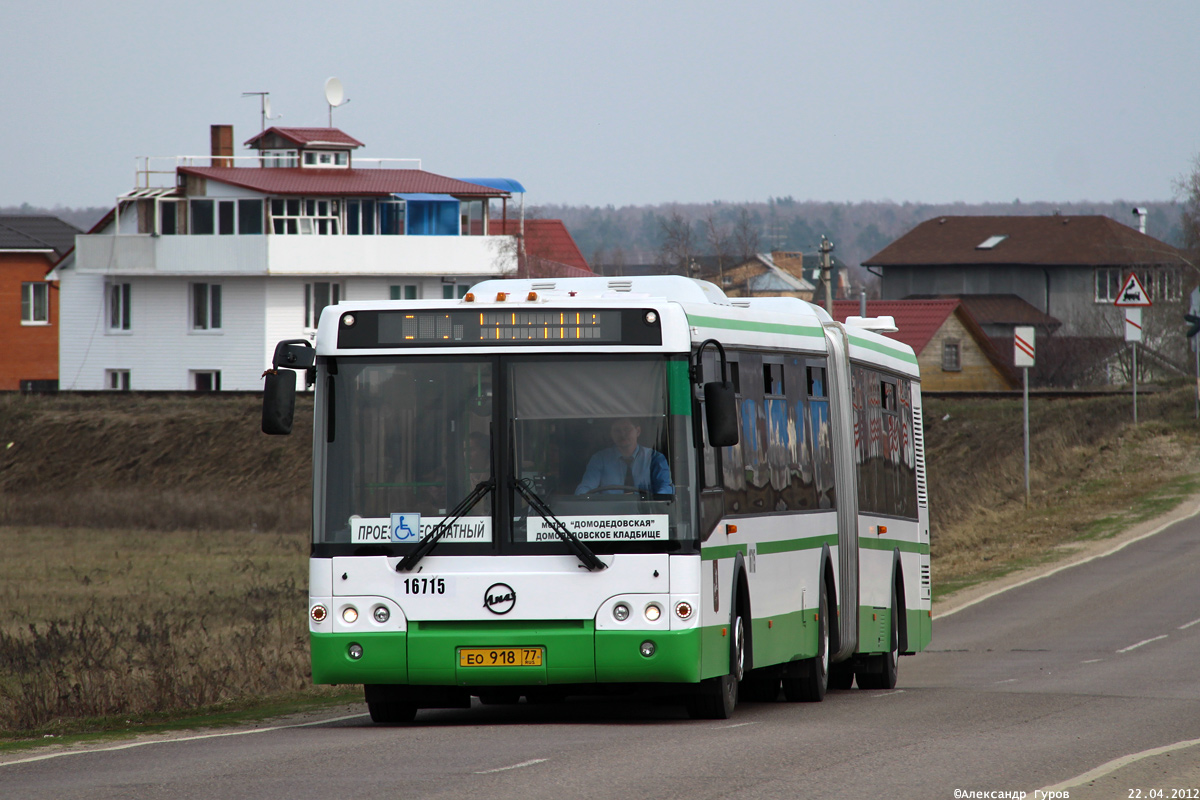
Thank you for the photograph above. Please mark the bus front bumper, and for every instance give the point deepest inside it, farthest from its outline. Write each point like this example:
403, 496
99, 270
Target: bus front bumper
571, 653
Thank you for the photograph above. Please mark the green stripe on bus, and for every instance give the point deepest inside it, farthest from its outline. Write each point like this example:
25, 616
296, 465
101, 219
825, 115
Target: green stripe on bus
760, 327
892, 544
883, 348
791, 545
679, 386
722, 551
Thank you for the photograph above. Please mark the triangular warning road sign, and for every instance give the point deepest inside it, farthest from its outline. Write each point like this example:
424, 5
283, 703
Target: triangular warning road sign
1132, 294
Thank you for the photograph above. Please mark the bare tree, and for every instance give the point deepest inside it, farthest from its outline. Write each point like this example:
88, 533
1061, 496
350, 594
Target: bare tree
718, 242
678, 243
745, 235
1188, 187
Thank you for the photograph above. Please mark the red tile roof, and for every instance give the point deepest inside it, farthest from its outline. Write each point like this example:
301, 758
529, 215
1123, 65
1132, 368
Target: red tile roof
309, 136
1054, 240
340, 182
999, 309
544, 238
918, 320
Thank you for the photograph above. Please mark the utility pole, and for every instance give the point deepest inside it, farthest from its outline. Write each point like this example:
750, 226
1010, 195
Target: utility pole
825, 249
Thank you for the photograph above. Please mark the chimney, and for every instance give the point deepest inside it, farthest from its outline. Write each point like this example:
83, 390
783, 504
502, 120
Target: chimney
222, 145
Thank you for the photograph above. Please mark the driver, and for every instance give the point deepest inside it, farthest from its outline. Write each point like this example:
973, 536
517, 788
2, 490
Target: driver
627, 464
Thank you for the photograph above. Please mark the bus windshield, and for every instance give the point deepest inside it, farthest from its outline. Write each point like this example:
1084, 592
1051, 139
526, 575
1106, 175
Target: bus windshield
406, 439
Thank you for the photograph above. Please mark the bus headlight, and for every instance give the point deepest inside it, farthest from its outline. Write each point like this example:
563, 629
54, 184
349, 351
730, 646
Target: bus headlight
349, 615
318, 613
621, 612
683, 609
381, 614
653, 612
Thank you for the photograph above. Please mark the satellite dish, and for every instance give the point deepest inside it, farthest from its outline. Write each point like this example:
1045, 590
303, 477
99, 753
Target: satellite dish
334, 93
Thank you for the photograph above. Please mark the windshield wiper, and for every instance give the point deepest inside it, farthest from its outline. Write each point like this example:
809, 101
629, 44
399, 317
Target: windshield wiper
430, 539
539, 505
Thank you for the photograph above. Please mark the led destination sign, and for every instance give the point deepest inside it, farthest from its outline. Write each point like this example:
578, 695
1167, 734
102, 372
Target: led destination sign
464, 328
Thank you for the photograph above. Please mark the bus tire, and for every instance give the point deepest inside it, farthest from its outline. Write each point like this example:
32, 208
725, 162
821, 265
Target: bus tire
884, 668
716, 698
810, 685
386, 709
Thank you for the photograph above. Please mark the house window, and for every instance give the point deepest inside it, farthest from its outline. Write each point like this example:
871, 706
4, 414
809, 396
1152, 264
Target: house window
406, 292
951, 356
316, 296
305, 216
452, 290
35, 303
120, 299
206, 380
116, 379
392, 217
168, 222
250, 217
317, 158
202, 222
280, 158
1108, 283
226, 215
206, 306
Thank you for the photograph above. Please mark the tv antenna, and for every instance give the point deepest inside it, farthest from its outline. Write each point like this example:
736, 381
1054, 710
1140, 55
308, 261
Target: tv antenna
335, 95
265, 97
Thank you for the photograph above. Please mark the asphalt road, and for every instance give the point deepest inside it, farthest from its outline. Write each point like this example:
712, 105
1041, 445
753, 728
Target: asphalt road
1084, 671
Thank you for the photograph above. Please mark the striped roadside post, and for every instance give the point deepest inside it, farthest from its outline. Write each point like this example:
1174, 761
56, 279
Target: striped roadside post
1023, 357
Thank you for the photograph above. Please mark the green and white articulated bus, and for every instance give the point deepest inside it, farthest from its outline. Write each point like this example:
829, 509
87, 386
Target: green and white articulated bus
470, 538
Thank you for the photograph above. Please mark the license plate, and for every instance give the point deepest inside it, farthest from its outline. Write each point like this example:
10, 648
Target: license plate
500, 657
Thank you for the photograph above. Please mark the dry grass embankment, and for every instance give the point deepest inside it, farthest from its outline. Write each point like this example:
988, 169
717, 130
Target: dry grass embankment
155, 549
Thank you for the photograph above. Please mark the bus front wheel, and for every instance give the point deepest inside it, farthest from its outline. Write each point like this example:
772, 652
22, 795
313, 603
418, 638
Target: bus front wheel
718, 697
386, 707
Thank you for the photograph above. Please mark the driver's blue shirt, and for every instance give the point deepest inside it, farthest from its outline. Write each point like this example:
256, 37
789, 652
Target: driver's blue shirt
607, 468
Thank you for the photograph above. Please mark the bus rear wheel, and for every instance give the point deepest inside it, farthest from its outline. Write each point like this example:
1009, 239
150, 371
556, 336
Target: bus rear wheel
717, 698
810, 685
884, 668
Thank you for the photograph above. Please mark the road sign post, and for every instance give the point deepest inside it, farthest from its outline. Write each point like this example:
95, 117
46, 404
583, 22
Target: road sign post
1132, 299
1023, 357
1192, 318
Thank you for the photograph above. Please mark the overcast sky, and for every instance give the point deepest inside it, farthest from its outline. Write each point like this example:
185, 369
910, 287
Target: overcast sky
625, 102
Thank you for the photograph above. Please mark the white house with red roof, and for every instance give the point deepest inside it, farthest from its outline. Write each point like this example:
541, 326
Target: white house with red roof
196, 274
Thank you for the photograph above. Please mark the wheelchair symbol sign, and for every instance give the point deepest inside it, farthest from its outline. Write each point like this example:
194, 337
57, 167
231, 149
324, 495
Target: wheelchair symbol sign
406, 527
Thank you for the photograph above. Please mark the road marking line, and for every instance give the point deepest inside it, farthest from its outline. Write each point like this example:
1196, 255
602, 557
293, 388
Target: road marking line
1010, 680
1116, 764
1057, 570
741, 725
179, 739
514, 766
1092, 661
876, 695
1188, 625
1139, 644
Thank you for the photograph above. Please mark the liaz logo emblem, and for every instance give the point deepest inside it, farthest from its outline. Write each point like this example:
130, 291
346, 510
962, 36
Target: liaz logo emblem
499, 598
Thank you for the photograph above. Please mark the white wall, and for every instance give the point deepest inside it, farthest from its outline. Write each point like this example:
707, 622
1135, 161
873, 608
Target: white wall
160, 350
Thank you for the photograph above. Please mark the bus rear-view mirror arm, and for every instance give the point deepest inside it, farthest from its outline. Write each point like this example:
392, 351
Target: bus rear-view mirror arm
720, 400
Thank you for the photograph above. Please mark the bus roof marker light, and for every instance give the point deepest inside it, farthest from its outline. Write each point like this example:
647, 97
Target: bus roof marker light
532, 296
348, 320
501, 297
469, 297
651, 317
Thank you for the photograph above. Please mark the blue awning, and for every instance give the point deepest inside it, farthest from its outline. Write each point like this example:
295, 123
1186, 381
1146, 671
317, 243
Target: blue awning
503, 184
426, 198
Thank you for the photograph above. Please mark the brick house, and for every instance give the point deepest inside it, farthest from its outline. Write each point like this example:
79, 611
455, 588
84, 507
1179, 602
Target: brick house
29, 316
953, 351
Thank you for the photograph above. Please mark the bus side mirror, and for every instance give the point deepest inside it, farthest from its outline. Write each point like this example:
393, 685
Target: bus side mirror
279, 402
720, 412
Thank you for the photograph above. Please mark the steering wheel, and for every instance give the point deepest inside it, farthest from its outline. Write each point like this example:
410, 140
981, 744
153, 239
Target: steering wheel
613, 488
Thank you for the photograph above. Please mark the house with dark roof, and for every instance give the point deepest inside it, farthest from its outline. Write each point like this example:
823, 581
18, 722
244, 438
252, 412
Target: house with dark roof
29, 311
197, 272
952, 349
1068, 268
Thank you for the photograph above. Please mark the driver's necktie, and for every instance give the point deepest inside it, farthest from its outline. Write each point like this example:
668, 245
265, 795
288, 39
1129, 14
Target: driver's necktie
628, 480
